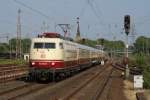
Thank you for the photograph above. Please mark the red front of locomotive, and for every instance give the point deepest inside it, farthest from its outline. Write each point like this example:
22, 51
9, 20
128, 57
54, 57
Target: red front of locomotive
47, 64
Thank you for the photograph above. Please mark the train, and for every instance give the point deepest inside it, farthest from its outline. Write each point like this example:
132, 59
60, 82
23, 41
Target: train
53, 56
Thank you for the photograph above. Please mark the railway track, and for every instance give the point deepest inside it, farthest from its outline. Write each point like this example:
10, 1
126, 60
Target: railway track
6, 68
101, 88
9, 73
77, 85
23, 90
68, 88
36, 91
133, 70
92, 87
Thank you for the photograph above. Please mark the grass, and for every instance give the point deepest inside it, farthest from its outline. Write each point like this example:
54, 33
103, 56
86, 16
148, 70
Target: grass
143, 62
18, 62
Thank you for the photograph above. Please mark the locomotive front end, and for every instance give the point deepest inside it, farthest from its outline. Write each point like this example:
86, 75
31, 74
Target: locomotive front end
46, 55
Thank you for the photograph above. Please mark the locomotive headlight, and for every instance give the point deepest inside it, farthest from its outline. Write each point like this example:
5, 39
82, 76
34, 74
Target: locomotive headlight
53, 63
33, 63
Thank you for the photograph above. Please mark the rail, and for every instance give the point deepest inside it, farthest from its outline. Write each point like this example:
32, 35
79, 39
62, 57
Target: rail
91, 79
133, 70
8, 73
24, 90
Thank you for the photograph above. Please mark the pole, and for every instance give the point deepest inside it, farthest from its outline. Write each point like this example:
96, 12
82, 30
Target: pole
18, 39
10, 49
127, 46
127, 71
127, 31
9, 43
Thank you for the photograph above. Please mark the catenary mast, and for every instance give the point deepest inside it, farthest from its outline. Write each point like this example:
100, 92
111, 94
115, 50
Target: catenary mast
18, 39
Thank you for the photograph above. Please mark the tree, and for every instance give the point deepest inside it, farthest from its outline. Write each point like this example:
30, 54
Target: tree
4, 48
142, 44
108, 45
25, 45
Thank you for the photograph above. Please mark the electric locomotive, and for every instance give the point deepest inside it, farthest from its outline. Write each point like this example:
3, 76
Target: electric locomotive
52, 56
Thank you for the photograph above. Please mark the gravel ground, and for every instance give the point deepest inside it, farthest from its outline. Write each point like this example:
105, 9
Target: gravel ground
116, 87
10, 85
147, 94
129, 91
89, 91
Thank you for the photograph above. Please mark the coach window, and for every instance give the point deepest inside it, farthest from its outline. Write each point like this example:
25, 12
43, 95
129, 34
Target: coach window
38, 45
61, 46
50, 45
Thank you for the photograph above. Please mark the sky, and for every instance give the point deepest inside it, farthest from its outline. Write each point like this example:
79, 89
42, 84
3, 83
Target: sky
98, 18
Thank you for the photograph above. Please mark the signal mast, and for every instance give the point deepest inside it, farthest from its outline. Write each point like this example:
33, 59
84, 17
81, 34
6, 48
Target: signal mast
18, 39
127, 31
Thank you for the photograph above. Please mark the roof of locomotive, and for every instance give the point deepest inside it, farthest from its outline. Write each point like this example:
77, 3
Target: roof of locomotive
54, 35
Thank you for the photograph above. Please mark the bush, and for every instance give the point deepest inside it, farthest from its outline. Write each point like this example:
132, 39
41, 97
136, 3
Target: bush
146, 75
140, 59
143, 62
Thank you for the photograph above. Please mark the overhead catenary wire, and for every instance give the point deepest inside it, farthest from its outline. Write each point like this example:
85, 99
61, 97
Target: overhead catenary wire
95, 11
97, 7
25, 27
82, 10
32, 9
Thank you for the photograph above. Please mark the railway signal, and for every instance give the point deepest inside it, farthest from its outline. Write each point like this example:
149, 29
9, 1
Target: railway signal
127, 31
127, 24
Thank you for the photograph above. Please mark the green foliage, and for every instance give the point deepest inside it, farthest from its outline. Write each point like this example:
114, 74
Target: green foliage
25, 45
12, 61
140, 59
91, 43
4, 47
142, 44
143, 62
116, 45
108, 45
146, 74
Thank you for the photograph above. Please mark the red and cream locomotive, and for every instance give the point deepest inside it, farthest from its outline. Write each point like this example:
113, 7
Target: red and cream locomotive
52, 55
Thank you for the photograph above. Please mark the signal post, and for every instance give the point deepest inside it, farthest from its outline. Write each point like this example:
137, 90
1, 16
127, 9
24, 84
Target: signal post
127, 31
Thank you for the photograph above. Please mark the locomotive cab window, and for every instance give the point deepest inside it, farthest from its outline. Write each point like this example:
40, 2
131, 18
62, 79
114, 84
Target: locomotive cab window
44, 45
38, 45
50, 45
